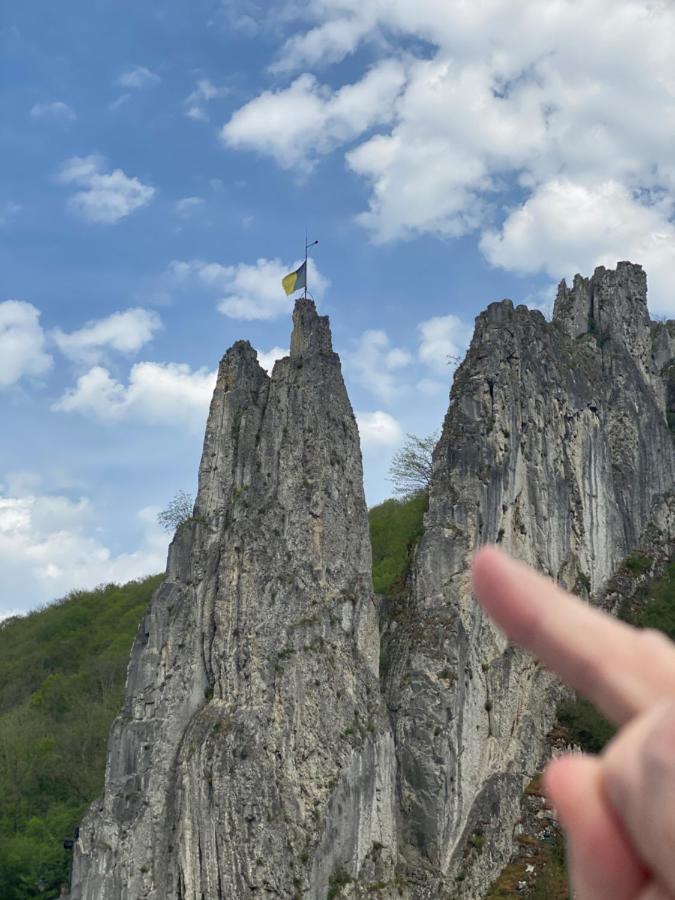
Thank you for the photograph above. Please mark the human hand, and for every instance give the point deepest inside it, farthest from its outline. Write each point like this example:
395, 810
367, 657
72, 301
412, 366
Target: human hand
617, 809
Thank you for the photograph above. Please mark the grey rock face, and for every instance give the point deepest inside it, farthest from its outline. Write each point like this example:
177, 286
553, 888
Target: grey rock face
555, 446
263, 751
253, 757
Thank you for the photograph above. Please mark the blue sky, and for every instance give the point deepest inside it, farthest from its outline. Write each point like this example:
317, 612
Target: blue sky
160, 165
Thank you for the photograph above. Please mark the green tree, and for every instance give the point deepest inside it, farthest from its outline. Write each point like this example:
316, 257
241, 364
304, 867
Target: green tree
410, 470
177, 512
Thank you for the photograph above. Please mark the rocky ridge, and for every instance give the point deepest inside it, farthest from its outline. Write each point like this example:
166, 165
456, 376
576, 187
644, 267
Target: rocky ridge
262, 750
555, 446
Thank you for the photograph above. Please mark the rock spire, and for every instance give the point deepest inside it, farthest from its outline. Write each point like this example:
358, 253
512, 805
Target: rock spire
253, 757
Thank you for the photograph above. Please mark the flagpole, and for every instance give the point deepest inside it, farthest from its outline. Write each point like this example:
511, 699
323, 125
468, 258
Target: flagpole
307, 246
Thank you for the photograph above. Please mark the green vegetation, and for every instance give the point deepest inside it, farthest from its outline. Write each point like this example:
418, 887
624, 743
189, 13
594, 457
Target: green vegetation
411, 467
395, 528
550, 882
62, 672
658, 609
584, 726
654, 607
336, 882
638, 563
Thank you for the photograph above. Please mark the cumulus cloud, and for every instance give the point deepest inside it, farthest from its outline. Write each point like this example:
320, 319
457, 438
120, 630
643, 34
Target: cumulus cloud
124, 332
375, 363
503, 102
106, 197
566, 227
297, 123
55, 110
378, 429
22, 342
443, 342
267, 359
137, 77
245, 291
46, 551
156, 394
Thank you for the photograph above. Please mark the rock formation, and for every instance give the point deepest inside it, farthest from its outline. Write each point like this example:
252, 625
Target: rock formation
263, 751
555, 446
253, 756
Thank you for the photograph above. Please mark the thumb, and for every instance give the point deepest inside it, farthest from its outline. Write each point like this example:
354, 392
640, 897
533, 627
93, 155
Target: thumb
601, 863
639, 776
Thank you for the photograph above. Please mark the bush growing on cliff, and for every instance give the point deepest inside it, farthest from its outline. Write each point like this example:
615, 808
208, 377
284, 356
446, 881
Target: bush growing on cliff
177, 512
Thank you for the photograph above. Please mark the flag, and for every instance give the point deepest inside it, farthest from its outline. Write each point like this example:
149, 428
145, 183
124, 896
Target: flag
295, 280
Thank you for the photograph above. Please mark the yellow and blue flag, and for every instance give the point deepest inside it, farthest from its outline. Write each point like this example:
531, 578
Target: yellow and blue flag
295, 280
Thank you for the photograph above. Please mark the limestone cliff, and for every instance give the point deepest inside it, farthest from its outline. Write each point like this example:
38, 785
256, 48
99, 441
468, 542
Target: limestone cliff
253, 756
263, 750
556, 446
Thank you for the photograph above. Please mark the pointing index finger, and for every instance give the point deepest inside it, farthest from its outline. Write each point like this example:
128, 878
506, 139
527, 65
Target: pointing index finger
618, 668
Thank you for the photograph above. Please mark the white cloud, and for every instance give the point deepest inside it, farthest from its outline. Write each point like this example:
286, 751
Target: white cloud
306, 119
267, 359
567, 227
443, 342
204, 92
378, 429
8, 211
22, 342
107, 196
329, 42
187, 206
157, 394
136, 77
247, 291
55, 110
375, 364
124, 332
197, 113
119, 101
502, 96
46, 551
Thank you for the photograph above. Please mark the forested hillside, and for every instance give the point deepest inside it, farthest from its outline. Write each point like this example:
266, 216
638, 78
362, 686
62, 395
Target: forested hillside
62, 672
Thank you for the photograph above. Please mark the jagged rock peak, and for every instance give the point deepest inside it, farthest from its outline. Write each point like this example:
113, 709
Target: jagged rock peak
612, 302
311, 332
239, 368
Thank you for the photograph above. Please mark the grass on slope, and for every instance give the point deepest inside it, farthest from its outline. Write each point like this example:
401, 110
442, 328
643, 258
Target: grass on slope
395, 526
62, 672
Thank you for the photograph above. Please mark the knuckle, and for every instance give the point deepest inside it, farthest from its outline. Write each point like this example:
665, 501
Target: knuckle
653, 641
